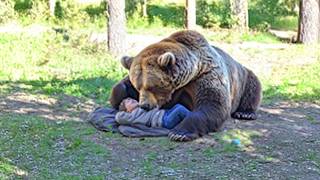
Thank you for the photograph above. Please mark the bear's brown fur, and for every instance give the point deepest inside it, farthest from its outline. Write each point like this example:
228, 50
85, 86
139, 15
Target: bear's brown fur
184, 68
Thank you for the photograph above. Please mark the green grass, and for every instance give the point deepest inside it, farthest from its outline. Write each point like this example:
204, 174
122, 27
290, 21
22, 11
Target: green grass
313, 156
286, 23
262, 37
50, 65
38, 148
300, 83
148, 163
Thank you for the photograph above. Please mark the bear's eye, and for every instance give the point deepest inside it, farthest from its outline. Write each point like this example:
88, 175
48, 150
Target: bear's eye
149, 64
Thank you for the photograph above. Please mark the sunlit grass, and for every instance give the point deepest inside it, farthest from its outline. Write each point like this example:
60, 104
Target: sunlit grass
51, 65
294, 83
286, 23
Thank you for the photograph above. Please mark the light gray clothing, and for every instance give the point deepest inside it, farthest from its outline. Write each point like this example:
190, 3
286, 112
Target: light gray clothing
152, 118
104, 119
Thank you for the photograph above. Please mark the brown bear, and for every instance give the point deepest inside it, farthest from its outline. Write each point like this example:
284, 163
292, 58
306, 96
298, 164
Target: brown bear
184, 68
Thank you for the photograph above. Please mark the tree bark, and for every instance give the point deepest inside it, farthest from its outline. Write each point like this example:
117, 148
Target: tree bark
309, 22
144, 8
116, 27
319, 21
239, 9
190, 14
52, 4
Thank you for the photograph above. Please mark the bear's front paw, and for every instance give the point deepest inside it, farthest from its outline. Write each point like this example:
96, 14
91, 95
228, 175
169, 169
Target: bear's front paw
182, 136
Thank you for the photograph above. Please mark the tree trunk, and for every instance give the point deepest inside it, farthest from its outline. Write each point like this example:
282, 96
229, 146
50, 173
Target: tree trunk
309, 22
239, 9
144, 8
52, 4
319, 21
116, 27
190, 14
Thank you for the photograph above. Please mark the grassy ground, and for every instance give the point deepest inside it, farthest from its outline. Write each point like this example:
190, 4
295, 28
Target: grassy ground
50, 65
48, 84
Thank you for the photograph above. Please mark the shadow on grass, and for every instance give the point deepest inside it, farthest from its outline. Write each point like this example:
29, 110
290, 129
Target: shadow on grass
43, 129
33, 147
96, 88
56, 99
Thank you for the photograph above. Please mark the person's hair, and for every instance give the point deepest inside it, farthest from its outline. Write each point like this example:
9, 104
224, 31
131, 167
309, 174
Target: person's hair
122, 106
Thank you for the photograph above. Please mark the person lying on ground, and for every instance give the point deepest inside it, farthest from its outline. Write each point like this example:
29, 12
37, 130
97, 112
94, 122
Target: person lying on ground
130, 113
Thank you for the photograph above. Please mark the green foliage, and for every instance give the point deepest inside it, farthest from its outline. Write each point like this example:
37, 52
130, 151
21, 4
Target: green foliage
286, 23
68, 13
169, 14
97, 11
22, 5
58, 11
205, 15
209, 14
263, 13
132, 7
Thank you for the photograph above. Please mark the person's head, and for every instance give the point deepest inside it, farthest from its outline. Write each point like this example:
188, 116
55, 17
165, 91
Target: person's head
128, 105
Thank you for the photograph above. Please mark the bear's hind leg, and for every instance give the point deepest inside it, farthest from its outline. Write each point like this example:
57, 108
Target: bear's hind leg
250, 99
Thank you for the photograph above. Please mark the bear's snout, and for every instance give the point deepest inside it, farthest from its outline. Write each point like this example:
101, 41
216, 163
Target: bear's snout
146, 106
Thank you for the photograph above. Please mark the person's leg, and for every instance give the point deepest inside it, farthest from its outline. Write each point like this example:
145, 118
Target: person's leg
174, 116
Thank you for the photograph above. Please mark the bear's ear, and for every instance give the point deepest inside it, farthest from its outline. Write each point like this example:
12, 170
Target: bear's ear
166, 59
126, 62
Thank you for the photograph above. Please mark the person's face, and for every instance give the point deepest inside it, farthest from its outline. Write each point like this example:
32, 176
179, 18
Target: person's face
130, 104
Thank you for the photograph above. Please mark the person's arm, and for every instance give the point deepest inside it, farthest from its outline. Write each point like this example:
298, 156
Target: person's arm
123, 118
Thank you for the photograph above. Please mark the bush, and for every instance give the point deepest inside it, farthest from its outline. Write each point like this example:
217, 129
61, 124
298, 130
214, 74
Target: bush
67, 12
263, 12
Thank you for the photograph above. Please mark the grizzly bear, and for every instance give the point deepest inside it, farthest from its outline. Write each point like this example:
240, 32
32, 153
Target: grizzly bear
184, 68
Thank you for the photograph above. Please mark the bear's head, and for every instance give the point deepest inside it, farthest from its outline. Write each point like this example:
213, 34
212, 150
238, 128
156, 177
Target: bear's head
159, 70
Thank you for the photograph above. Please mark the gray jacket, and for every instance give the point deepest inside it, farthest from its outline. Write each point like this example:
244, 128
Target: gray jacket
152, 118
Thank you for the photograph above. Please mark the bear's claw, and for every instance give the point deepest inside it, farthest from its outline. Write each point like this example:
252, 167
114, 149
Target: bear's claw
182, 137
244, 115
